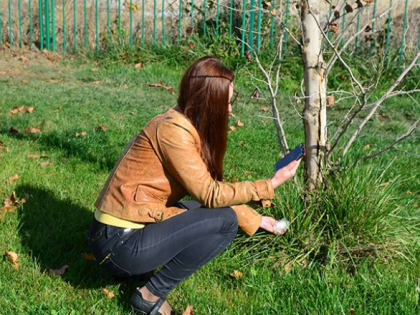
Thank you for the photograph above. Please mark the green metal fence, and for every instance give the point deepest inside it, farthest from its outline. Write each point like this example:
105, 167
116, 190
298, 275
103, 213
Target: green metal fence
70, 25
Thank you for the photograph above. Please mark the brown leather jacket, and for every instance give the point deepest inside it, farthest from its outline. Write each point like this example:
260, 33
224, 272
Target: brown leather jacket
161, 165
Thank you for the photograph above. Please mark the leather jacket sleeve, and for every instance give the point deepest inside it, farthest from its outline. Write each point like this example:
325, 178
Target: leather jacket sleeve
177, 149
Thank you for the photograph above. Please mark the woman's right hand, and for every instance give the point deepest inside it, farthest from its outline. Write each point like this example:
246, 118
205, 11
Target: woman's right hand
285, 173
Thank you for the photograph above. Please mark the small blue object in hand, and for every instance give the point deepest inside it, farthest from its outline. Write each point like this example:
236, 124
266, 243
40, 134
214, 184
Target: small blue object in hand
296, 154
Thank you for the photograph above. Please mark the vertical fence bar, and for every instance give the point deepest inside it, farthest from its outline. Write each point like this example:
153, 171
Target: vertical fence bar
230, 17
163, 24
179, 21
131, 24
388, 29
272, 25
142, 23
47, 23
30, 24
251, 25
85, 27
259, 25
243, 28
64, 27
418, 41
217, 18
204, 17
108, 21
54, 47
154, 23
41, 28
372, 41
343, 26
10, 24
286, 24
20, 23
403, 31
356, 40
329, 19
97, 24
191, 17
75, 25
1, 24
119, 19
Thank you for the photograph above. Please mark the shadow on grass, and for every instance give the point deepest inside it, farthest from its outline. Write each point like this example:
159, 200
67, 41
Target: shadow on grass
54, 231
94, 148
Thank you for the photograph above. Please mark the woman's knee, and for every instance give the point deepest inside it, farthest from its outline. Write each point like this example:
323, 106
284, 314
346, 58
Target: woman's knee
230, 220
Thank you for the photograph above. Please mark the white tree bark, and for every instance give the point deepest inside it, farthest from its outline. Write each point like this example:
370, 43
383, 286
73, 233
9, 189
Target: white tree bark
315, 113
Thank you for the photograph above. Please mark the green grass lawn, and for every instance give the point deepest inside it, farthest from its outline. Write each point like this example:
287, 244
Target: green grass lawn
314, 268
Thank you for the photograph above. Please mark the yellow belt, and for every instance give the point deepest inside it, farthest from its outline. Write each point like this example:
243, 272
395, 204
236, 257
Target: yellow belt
106, 218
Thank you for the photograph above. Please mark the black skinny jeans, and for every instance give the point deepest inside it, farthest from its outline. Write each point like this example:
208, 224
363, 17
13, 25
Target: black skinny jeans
181, 244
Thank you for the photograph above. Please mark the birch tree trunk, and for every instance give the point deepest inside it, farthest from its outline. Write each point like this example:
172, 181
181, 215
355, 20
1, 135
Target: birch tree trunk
314, 114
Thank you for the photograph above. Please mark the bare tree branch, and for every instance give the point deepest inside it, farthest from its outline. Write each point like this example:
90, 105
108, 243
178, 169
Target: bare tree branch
409, 132
379, 102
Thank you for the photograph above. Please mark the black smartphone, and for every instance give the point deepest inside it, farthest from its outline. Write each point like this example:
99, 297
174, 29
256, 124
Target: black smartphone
296, 154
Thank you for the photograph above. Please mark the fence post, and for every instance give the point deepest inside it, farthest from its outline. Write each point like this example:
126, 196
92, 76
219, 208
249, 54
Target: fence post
1, 24
163, 23
47, 24
154, 23
403, 30
85, 27
286, 24
217, 18
64, 26
191, 17
372, 41
130, 40
418, 41
230, 17
97, 25
75, 25
41, 33
388, 29
343, 26
251, 26
30, 25
54, 48
243, 28
356, 41
204, 17
179, 21
108, 21
10, 24
142, 24
119, 20
259, 25
20, 23
272, 25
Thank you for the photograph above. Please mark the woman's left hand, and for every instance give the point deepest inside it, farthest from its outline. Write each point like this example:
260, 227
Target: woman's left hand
268, 224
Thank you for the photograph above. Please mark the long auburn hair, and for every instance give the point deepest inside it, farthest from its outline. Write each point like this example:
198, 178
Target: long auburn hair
204, 98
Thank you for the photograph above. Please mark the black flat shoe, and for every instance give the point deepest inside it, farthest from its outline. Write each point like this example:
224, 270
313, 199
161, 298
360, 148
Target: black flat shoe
141, 306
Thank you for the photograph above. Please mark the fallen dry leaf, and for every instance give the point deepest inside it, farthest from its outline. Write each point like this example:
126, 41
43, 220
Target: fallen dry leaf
32, 156
265, 109
242, 143
239, 123
138, 66
13, 258
158, 84
45, 163
236, 274
266, 203
94, 69
233, 128
97, 82
334, 28
13, 178
100, 127
81, 134
88, 257
330, 100
29, 109
274, 12
288, 267
189, 310
32, 130
108, 293
10, 203
60, 271
409, 192
23, 58
351, 310
366, 147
